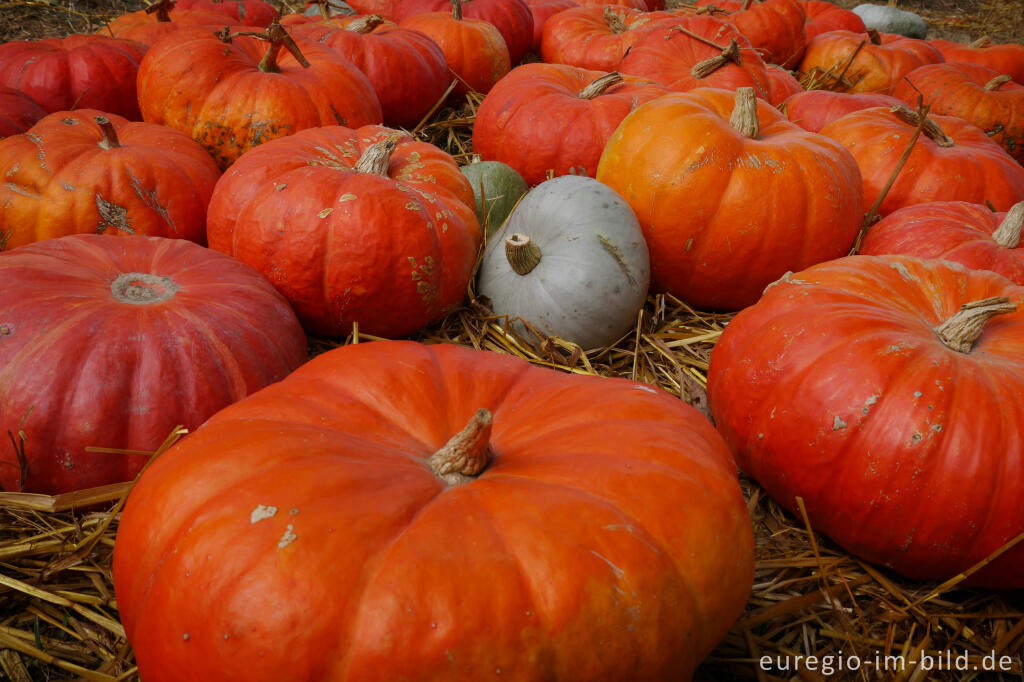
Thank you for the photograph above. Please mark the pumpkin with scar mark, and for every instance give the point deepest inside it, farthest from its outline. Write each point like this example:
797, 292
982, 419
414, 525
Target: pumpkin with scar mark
85, 171
231, 92
367, 226
397, 511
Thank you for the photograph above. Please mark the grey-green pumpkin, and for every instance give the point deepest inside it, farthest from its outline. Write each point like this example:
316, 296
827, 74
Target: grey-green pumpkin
497, 187
571, 260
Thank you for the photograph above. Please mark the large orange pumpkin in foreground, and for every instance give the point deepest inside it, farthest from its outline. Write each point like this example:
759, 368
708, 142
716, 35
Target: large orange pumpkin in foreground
879, 390
430, 514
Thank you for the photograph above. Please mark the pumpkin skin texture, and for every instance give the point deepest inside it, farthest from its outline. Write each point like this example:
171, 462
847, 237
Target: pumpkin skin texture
244, 12
822, 17
390, 251
217, 93
80, 71
595, 38
542, 10
546, 117
878, 67
1003, 58
593, 269
512, 18
66, 176
973, 168
782, 84
774, 27
923, 441
148, 27
348, 434
974, 93
814, 109
114, 342
497, 188
724, 215
969, 234
18, 111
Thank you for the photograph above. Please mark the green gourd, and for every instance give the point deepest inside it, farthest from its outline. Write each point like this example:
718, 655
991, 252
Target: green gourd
497, 187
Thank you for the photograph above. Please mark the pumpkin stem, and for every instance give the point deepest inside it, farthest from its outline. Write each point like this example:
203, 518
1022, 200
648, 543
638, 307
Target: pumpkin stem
143, 288
162, 10
278, 37
599, 85
998, 81
930, 128
615, 23
109, 140
983, 41
698, 37
709, 66
522, 253
874, 36
710, 9
744, 113
467, 454
457, 10
1009, 231
325, 11
377, 157
364, 25
961, 330
745, 5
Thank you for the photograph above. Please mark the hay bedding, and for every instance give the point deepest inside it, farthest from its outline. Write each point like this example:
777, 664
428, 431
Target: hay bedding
58, 615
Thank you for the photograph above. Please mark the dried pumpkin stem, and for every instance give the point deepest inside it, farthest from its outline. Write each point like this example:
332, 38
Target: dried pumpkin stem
376, 158
874, 36
983, 41
467, 454
849, 63
930, 128
457, 10
1009, 231
599, 85
998, 81
746, 4
615, 23
962, 330
162, 10
709, 66
364, 25
109, 140
522, 253
325, 11
696, 36
710, 9
744, 113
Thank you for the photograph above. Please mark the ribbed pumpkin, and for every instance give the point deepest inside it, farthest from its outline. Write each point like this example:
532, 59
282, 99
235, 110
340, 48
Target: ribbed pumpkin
697, 52
595, 38
542, 10
952, 160
781, 84
822, 17
406, 68
114, 342
151, 24
878, 390
363, 226
969, 234
18, 111
555, 118
84, 171
244, 12
603, 540
475, 51
232, 96
1005, 58
774, 27
877, 67
512, 18
977, 94
730, 196
80, 71
814, 109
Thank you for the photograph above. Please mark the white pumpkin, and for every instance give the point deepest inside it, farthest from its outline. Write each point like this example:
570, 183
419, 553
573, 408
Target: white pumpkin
892, 20
571, 259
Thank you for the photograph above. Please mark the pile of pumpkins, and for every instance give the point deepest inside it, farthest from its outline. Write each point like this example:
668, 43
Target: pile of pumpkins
439, 512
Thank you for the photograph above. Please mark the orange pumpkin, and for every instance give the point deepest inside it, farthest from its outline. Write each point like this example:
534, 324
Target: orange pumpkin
868, 62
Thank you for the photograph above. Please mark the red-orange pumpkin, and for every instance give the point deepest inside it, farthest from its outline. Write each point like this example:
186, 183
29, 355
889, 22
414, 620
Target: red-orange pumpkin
969, 234
245, 12
555, 118
847, 385
349, 233
542, 10
82, 171
149, 25
304, 530
1004, 58
512, 18
114, 342
879, 64
952, 160
822, 17
18, 111
730, 197
781, 84
595, 38
814, 109
774, 27
232, 96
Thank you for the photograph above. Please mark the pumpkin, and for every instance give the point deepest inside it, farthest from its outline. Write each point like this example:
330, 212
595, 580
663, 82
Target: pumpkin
730, 194
149, 25
606, 539
18, 111
697, 52
571, 261
969, 234
497, 188
822, 17
595, 38
883, 377
114, 342
866, 62
977, 94
406, 68
952, 160
1003, 58
782, 84
231, 96
362, 226
542, 10
77, 72
244, 12
512, 18
814, 109
554, 118
474, 49
774, 27
890, 19
83, 171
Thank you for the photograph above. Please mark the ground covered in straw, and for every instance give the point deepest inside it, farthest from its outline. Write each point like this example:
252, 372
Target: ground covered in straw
58, 616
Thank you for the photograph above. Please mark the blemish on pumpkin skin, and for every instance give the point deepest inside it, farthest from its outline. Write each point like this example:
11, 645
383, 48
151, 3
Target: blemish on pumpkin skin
838, 424
347, 197
261, 512
613, 251
289, 536
324, 213
112, 216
